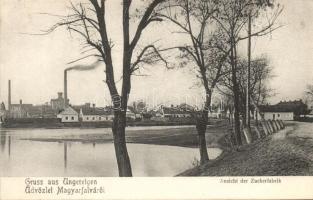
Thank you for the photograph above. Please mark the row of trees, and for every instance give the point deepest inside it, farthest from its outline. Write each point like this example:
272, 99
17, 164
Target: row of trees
214, 29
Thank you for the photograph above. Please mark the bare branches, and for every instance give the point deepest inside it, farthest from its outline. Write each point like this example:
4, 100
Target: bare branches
80, 23
148, 57
269, 27
146, 19
309, 90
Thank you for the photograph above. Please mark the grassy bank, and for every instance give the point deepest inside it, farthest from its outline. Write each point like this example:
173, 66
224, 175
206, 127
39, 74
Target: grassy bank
184, 137
281, 154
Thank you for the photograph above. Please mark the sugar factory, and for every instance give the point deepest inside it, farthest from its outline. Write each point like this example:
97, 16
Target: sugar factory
57, 111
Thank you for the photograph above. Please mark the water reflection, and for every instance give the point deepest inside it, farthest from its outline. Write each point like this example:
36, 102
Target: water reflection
68, 158
65, 155
2, 140
9, 146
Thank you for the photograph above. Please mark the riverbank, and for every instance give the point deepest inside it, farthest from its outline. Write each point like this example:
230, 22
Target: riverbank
54, 123
286, 153
182, 136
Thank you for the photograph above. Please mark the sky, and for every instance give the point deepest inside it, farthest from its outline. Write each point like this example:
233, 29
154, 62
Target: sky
35, 64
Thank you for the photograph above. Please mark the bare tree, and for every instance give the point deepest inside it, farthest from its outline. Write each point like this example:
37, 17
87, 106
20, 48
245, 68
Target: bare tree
260, 73
309, 90
308, 95
88, 20
193, 18
232, 17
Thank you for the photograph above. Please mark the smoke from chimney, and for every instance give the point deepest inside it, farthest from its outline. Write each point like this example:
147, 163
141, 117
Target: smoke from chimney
77, 68
84, 67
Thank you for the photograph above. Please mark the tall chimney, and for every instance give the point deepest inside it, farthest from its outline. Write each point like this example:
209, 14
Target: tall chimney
60, 95
9, 96
65, 89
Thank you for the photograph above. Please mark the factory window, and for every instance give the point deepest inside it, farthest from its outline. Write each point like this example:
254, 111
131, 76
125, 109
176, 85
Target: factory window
66, 118
72, 118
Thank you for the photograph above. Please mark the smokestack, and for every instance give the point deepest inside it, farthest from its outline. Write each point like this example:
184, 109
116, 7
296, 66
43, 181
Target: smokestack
65, 89
9, 95
78, 68
60, 95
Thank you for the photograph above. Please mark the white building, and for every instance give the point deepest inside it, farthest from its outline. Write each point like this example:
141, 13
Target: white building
275, 112
173, 112
284, 110
95, 115
68, 115
286, 116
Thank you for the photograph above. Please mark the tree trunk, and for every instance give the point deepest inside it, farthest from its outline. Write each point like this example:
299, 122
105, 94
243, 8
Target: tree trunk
248, 76
236, 94
118, 129
201, 129
236, 115
256, 117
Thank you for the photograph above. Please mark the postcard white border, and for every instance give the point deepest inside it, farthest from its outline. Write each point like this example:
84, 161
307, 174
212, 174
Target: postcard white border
171, 188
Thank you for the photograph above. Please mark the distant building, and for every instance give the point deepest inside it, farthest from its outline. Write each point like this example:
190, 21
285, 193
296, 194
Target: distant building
274, 112
165, 113
42, 111
217, 112
19, 110
94, 114
2, 112
132, 114
31, 111
174, 112
286, 110
68, 115
186, 107
58, 103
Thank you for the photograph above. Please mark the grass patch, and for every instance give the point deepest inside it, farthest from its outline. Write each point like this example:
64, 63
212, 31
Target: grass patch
289, 156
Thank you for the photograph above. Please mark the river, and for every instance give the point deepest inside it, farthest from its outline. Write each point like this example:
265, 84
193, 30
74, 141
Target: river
20, 155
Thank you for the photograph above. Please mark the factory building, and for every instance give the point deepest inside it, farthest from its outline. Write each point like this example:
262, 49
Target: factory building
2, 112
58, 103
20, 110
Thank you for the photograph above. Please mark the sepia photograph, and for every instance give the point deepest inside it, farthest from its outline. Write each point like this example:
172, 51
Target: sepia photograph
155, 88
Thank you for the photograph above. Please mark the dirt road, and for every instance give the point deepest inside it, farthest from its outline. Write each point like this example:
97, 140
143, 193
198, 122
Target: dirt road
286, 153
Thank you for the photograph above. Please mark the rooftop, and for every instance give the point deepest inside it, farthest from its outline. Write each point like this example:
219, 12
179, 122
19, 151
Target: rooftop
174, 110
297, 107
